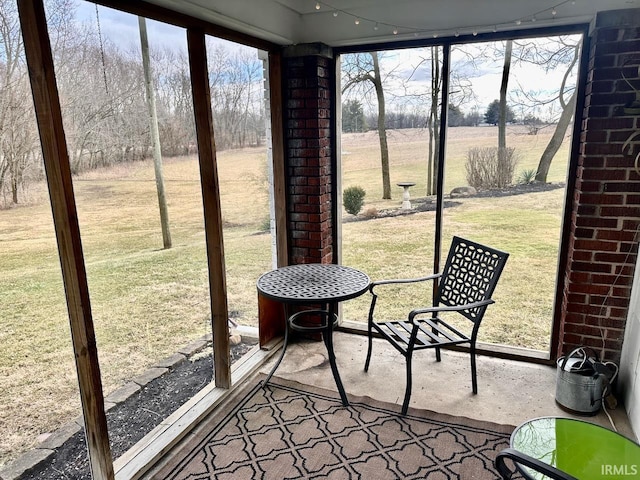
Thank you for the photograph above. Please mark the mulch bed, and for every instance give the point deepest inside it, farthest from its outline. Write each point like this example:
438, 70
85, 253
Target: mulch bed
428, 204
131, 420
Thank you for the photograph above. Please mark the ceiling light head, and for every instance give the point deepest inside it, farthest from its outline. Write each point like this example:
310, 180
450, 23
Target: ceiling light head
554, 12
518, 22
317, 5
357, 21
335, 13
375, 27
395, 31
533, 19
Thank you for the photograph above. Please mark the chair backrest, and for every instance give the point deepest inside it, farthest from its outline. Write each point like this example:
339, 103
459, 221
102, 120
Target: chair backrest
470, 275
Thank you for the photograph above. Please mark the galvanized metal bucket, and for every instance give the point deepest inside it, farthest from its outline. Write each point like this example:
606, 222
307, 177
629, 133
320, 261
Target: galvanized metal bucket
580, 384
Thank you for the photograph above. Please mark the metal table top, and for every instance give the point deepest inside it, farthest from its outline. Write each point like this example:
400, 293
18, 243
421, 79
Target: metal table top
313, 283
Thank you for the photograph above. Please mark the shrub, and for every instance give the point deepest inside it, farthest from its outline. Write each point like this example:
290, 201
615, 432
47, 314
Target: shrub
490, 167
526, 177
353, 199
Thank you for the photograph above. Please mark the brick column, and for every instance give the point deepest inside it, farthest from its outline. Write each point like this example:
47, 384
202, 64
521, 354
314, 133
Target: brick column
606, 211
309, 73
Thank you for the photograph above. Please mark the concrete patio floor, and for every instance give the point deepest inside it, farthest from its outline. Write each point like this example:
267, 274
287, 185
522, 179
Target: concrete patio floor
509, 392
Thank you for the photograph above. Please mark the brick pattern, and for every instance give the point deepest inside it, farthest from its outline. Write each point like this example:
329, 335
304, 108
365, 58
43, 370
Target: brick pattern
606, 211
308, 151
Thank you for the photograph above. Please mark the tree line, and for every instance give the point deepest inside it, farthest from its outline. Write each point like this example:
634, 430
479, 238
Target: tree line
102, 94
354, 118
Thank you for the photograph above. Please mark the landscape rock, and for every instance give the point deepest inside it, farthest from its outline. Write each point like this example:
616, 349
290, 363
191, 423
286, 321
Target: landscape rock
149, 375
235, 338
122, 393
171, 361
463, 192
25, 462
56, 439
193, 347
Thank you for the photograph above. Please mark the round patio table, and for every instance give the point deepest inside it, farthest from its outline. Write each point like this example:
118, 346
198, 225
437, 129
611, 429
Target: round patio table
313, 284
583, 450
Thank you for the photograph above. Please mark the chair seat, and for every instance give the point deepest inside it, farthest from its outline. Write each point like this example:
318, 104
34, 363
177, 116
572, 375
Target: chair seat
432, 332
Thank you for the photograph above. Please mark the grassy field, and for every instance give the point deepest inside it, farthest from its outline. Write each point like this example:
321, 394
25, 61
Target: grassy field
147, 302
526, 226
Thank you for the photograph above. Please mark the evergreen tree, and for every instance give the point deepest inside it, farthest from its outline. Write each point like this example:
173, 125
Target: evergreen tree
353, 117
492, 115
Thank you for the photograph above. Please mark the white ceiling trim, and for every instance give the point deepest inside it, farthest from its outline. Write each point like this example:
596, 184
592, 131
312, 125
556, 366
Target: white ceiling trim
289, 22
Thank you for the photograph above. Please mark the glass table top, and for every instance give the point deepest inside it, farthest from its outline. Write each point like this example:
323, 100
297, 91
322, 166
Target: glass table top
581, 449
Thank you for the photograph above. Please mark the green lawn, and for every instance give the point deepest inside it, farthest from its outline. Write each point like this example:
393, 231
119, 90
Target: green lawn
526, 226
147, 302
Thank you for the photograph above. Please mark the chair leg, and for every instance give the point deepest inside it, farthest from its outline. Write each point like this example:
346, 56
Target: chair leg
474, 378
370, 335
407, 392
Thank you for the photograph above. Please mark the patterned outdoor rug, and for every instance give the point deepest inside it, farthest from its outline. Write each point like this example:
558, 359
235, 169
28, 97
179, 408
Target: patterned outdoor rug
289, 430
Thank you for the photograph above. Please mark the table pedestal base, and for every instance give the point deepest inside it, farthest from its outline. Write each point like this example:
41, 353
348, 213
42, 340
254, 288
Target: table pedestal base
329, 319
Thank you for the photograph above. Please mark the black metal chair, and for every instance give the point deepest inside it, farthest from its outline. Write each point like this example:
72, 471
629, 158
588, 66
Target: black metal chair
519, 458
465, 286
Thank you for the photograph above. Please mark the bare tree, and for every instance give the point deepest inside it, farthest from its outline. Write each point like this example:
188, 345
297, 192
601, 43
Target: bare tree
460, 93
18, 137
363, 71
568, 107
236, 92
433, 123
551, 53
502, 118
174, 102
102, 98
102, 95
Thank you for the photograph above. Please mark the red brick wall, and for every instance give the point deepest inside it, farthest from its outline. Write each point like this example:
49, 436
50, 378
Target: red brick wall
308, 81
606, 210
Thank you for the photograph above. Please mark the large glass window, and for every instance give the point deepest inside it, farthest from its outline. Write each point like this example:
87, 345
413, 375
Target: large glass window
505, 157
390, 130
505, 173
140, 209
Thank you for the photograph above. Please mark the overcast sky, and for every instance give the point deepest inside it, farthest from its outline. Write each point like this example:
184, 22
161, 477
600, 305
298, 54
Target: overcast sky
122, 29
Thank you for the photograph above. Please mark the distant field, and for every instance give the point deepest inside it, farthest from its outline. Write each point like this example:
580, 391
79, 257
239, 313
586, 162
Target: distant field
147, 301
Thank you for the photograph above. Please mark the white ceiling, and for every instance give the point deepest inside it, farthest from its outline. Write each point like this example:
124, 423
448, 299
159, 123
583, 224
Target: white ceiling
334, 23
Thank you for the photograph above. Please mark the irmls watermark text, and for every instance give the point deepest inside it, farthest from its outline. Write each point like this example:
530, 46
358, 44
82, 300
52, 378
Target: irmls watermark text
624, 470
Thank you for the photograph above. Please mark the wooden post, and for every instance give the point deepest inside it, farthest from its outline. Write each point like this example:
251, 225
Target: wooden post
56, 161
211, 201
277, 147
155, 135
